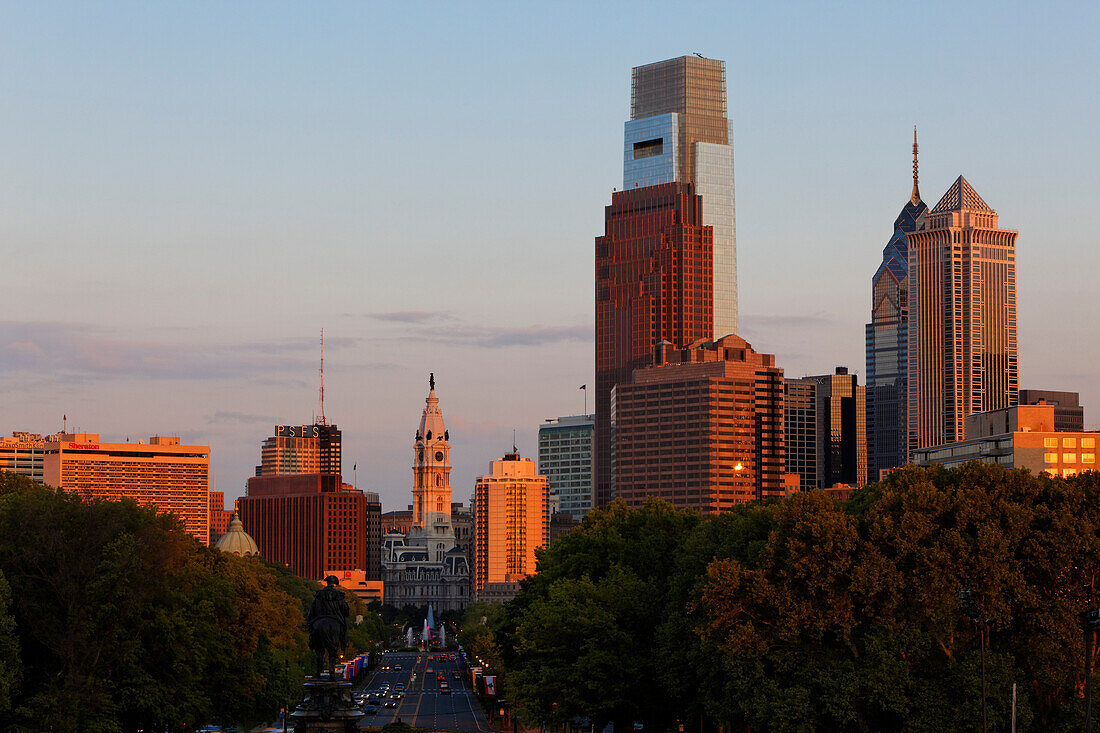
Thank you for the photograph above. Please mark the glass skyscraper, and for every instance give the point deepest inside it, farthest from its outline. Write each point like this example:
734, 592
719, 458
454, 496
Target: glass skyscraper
888, 342
678, 132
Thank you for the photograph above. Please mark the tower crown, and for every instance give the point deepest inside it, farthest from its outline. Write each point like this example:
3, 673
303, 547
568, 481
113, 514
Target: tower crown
432, 427
961, 196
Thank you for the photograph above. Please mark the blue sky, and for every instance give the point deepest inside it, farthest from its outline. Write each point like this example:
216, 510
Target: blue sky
189, 192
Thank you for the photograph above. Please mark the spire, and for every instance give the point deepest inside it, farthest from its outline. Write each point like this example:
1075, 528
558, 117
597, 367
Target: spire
323, 422
915, 198
431, 381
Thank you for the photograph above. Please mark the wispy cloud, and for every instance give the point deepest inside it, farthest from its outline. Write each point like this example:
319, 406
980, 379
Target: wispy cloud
412, 316
230, 417
812, 320
79, 352
495, 337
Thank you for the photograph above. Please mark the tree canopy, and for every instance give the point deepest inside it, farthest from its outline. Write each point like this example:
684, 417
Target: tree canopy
116, 620
810, 614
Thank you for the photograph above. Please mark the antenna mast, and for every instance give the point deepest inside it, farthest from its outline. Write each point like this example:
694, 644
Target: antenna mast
323, 377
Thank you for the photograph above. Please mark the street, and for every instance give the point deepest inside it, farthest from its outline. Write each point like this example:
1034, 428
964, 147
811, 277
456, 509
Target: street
424, 706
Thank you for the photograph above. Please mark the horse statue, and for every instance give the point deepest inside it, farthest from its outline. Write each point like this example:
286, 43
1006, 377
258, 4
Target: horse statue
328, 625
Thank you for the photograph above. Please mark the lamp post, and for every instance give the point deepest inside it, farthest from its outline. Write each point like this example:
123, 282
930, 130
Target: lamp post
286, 708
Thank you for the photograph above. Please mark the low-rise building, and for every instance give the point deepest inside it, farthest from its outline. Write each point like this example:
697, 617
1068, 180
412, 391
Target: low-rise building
1023, 436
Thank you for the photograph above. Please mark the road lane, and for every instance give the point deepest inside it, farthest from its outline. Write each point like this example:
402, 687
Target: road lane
423, 705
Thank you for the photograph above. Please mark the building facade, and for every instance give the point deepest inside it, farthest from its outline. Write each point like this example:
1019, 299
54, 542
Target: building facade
1069, 416
962, 317
219, 516
425, 566
301, 449
679, 131
1023, 436
887, 342
841, 429
653, 283
800, 427
567, 458
512, 520
25, 454
311, 522
162, 473
701, 428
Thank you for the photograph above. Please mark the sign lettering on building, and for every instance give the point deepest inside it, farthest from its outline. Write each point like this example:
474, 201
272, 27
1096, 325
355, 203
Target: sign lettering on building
298, 431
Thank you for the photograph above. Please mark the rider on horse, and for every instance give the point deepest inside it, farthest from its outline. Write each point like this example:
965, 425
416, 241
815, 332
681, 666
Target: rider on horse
329, 604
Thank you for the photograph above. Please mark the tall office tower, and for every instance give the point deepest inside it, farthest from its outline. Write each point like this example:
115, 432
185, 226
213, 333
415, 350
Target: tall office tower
800, 431
701, 428
1069, 416
301, 449
566, 455
653, 283
678, 131
841, 429
887, 337
24, 453
162, 473
373, 506
512, 520
311, 522
962, 317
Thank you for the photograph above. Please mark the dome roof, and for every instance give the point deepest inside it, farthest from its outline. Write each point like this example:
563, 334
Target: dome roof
236, 541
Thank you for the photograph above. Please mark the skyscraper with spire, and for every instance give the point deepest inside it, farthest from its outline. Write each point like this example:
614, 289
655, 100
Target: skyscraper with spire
888, 341
962, 317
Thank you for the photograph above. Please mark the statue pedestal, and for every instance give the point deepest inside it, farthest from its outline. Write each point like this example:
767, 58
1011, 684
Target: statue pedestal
327, 707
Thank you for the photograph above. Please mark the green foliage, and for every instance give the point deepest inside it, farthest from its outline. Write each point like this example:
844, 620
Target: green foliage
10, 667
808, 614
125, 623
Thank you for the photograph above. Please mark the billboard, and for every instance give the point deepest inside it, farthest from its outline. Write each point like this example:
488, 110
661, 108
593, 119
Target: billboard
491, 686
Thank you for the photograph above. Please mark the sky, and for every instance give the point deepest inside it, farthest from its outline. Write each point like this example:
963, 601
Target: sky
190, 192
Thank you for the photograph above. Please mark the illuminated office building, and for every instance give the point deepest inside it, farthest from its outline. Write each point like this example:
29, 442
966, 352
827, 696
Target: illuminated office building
511, 521
653, 283
887, 342
162, 473
301, 449
679, 131
701, 427
962, 317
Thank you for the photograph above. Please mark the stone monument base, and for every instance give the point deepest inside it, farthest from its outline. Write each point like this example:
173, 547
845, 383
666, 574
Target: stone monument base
328, 707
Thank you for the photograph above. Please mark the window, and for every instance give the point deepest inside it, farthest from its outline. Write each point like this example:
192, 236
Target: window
1050, 442
1069, 472
1088, 458
1088, 442
1069, 442
649, 148
1069, 458
1051, 457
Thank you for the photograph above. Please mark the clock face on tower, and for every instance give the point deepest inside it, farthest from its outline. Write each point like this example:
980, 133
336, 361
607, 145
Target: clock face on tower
439, 455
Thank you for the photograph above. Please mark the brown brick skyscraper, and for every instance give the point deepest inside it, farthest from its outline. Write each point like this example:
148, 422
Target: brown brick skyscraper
962, 317
653, 283
702, 428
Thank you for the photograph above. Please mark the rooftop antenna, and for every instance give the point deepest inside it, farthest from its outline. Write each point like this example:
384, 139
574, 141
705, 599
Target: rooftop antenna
514, 448
323, 377
916, 192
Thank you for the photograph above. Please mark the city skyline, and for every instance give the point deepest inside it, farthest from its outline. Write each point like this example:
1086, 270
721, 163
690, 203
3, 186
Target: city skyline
187, 203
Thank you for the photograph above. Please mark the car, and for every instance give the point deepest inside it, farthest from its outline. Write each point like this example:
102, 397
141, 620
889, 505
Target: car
385, 666
455, 674
370, 709
397, 667
389, 704
444, 690
397, 695
429, 670
440, 677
